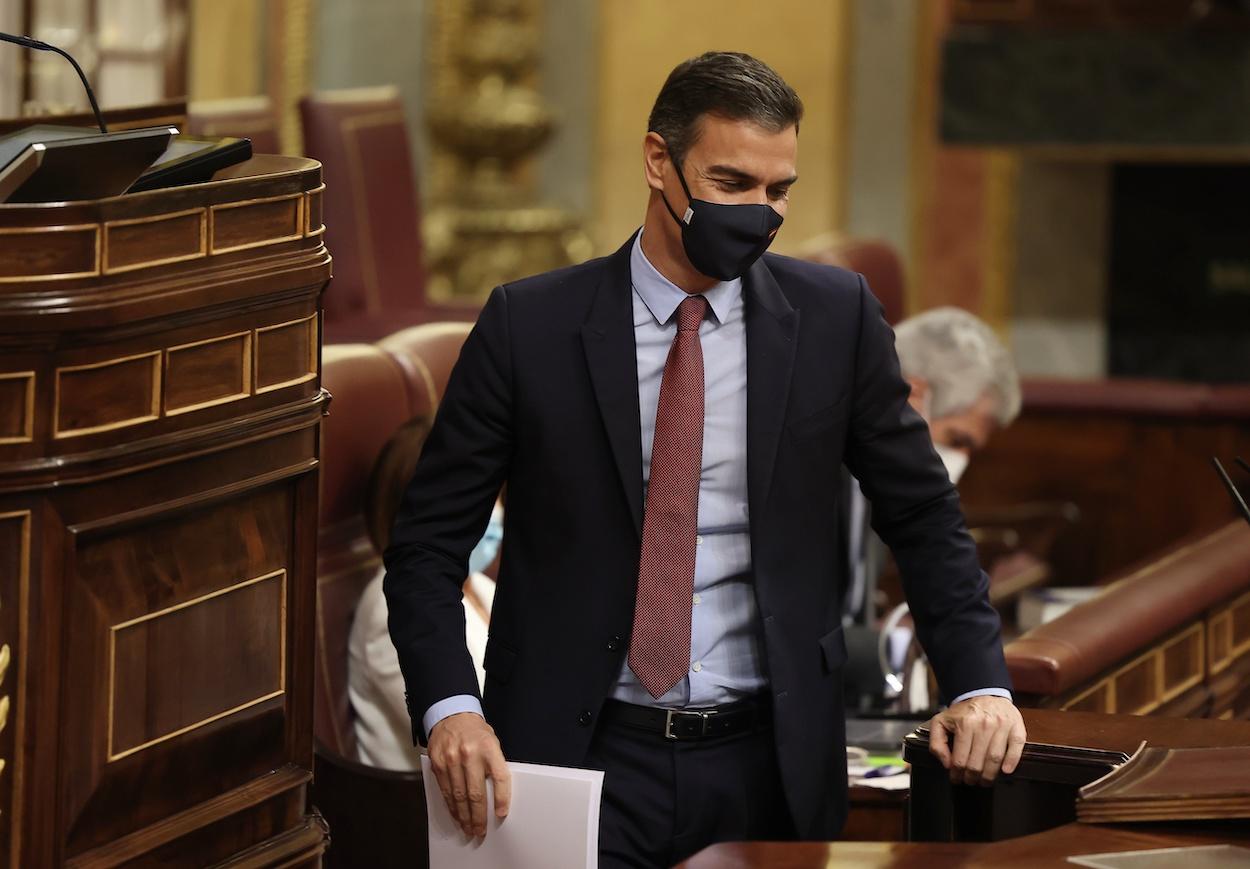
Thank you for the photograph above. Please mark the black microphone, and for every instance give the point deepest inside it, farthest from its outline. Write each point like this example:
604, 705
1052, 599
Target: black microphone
28, 42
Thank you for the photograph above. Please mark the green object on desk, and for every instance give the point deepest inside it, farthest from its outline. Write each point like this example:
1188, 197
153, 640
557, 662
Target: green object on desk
884, 759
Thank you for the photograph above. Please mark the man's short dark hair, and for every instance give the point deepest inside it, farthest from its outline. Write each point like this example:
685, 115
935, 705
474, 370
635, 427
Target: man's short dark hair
725, 83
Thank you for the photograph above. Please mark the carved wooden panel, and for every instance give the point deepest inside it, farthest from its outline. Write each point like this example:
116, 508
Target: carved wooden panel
180, 618
286, 354
161, 239
15, 542
258, 222
1229, 634
1184, 661
1137, 685
119, 392
1162, 673
158, 525
208, 372
108, 395
1240, 629
1096, 699
231, 642
312, 212
46, 252
17, 407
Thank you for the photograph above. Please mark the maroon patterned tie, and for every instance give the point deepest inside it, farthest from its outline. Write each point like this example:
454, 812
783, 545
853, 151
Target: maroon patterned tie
659, 648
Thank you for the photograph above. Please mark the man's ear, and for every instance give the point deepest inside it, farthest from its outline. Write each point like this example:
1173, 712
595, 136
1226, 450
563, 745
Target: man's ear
919, 394
654, 160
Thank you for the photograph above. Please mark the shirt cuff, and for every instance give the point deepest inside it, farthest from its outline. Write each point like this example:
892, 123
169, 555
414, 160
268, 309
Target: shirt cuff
451, 706
980, 692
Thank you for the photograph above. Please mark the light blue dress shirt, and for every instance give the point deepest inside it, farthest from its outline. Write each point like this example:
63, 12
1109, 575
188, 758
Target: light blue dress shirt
726, 658
726, 655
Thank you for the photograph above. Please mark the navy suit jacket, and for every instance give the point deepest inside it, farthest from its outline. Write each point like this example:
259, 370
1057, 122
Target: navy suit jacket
544, 398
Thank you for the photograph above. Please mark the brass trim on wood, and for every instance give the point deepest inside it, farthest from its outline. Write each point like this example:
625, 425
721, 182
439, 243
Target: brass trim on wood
313, 343
220, 807
112, 679
213, 249
34, 230
118, 521
96, 465
58, 432
29, 434
1104, 687
1167, 694
1155, 655
19, 735
248, 374
308, 195
1225, 617
156, 218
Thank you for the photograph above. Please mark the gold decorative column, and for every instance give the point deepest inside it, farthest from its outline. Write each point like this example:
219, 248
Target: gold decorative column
290, 29
487, 121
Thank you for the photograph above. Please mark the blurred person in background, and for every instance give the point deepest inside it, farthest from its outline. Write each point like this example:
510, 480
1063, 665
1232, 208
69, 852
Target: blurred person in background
965, 386
375, 684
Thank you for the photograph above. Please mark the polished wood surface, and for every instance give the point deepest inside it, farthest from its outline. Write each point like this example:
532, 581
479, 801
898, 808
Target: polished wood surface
1045, 787
875, 815
1133, 456
1065, 751
1169, 638
159, 442
1051, 848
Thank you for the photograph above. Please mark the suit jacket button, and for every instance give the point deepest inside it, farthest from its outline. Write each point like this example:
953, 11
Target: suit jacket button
614, 644
584, 719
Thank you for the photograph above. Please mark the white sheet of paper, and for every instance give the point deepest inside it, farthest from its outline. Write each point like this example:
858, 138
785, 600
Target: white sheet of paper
553, 822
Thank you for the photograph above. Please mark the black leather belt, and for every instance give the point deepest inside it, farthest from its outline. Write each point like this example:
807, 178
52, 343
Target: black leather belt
691, 724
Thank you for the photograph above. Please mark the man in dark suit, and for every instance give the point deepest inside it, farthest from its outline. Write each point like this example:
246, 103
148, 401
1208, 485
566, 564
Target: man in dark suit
670, 422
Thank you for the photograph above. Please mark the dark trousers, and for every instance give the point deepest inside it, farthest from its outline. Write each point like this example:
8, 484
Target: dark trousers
664, 801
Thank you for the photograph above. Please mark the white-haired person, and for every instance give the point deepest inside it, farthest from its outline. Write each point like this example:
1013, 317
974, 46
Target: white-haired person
965, 385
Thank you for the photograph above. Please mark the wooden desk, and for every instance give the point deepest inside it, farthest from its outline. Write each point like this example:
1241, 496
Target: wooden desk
1039, 798
1051, 848
1066, 750
160, 411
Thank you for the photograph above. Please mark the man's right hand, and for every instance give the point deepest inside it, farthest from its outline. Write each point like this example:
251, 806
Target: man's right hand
464, 752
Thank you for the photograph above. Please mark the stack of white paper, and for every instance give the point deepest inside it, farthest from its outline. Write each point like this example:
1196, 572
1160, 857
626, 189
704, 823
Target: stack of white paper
553, 822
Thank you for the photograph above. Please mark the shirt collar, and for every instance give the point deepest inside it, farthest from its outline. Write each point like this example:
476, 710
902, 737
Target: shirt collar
662, 296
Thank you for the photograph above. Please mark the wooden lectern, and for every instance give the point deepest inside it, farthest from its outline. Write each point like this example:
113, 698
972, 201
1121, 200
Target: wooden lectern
160, 402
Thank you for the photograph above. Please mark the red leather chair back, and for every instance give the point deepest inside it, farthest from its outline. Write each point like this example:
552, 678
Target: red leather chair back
376, 388
880, 265
370, 211
426, 353
876, 260
370, 402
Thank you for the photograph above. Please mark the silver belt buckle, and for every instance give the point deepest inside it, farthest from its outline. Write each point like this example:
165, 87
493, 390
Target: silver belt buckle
668, 722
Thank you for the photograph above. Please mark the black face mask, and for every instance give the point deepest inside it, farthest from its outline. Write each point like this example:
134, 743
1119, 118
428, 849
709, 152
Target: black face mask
723, 241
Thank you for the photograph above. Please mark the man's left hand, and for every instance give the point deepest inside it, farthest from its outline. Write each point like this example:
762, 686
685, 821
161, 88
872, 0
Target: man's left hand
989, 737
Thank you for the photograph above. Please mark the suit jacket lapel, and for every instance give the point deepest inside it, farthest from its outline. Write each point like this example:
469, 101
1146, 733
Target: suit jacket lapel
608, 339
772, 328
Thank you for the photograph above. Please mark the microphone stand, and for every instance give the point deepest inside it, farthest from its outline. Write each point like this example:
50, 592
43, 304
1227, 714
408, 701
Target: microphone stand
1238, 501
28, 42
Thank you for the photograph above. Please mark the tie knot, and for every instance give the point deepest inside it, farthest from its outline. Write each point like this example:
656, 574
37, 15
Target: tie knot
690, 313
